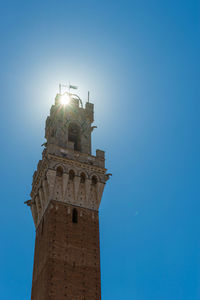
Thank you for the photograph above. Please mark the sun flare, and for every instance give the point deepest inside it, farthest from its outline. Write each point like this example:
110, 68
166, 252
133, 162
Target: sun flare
65, 99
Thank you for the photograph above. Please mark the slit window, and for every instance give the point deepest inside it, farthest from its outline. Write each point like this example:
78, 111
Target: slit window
75, 216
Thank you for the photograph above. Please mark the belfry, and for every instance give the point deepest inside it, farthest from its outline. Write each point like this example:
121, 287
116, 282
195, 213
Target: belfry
66, 193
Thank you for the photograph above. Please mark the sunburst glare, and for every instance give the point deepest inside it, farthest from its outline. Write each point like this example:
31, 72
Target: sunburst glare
65, 99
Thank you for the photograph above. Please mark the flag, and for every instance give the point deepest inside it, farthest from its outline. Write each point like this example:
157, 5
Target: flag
73, 87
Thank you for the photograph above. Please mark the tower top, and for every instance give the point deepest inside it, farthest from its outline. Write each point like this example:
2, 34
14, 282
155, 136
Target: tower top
69, 125
67, 155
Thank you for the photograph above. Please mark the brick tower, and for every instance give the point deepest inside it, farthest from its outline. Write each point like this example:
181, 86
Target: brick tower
66, 193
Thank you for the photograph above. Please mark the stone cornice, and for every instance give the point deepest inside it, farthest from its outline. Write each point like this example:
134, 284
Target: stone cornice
77, 163
49, 157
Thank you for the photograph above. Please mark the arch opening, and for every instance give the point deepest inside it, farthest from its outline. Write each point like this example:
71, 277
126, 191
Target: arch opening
71, 175
74, 135
59, 171
83, 178
94, 180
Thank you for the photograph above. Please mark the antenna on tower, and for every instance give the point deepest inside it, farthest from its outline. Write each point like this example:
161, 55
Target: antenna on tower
88, 98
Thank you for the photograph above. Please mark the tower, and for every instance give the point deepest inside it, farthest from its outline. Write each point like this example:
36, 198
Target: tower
66, 193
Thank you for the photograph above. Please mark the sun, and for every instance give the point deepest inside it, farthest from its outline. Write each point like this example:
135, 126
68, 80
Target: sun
65, 99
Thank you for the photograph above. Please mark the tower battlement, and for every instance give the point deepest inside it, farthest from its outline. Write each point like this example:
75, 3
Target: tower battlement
68, 151
69, 126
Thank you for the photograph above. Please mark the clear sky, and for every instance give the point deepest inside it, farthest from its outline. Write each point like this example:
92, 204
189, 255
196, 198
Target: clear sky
140, 60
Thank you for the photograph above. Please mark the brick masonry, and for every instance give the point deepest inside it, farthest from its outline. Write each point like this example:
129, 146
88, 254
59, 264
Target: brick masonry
67, 255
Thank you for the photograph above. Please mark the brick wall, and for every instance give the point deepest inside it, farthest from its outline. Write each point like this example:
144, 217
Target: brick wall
67, 255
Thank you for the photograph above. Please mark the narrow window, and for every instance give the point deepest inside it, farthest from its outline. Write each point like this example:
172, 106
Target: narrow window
71, 175
75, 216
94, 180
82, 177
59, 171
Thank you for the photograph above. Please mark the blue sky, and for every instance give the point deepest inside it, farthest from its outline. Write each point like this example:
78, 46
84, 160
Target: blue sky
140, 61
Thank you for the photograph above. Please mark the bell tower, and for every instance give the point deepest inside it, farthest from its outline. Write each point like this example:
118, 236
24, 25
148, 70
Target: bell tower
66, 193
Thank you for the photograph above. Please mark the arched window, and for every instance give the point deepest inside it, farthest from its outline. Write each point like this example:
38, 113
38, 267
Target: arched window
74, 136
71, 175
59, 171
74, 216
82, 177
94, 180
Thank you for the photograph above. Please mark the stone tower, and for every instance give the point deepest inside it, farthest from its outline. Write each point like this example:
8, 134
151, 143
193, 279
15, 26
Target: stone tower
66, 193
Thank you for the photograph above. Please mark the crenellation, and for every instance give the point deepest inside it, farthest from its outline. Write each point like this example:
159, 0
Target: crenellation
46, 176
52, 187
